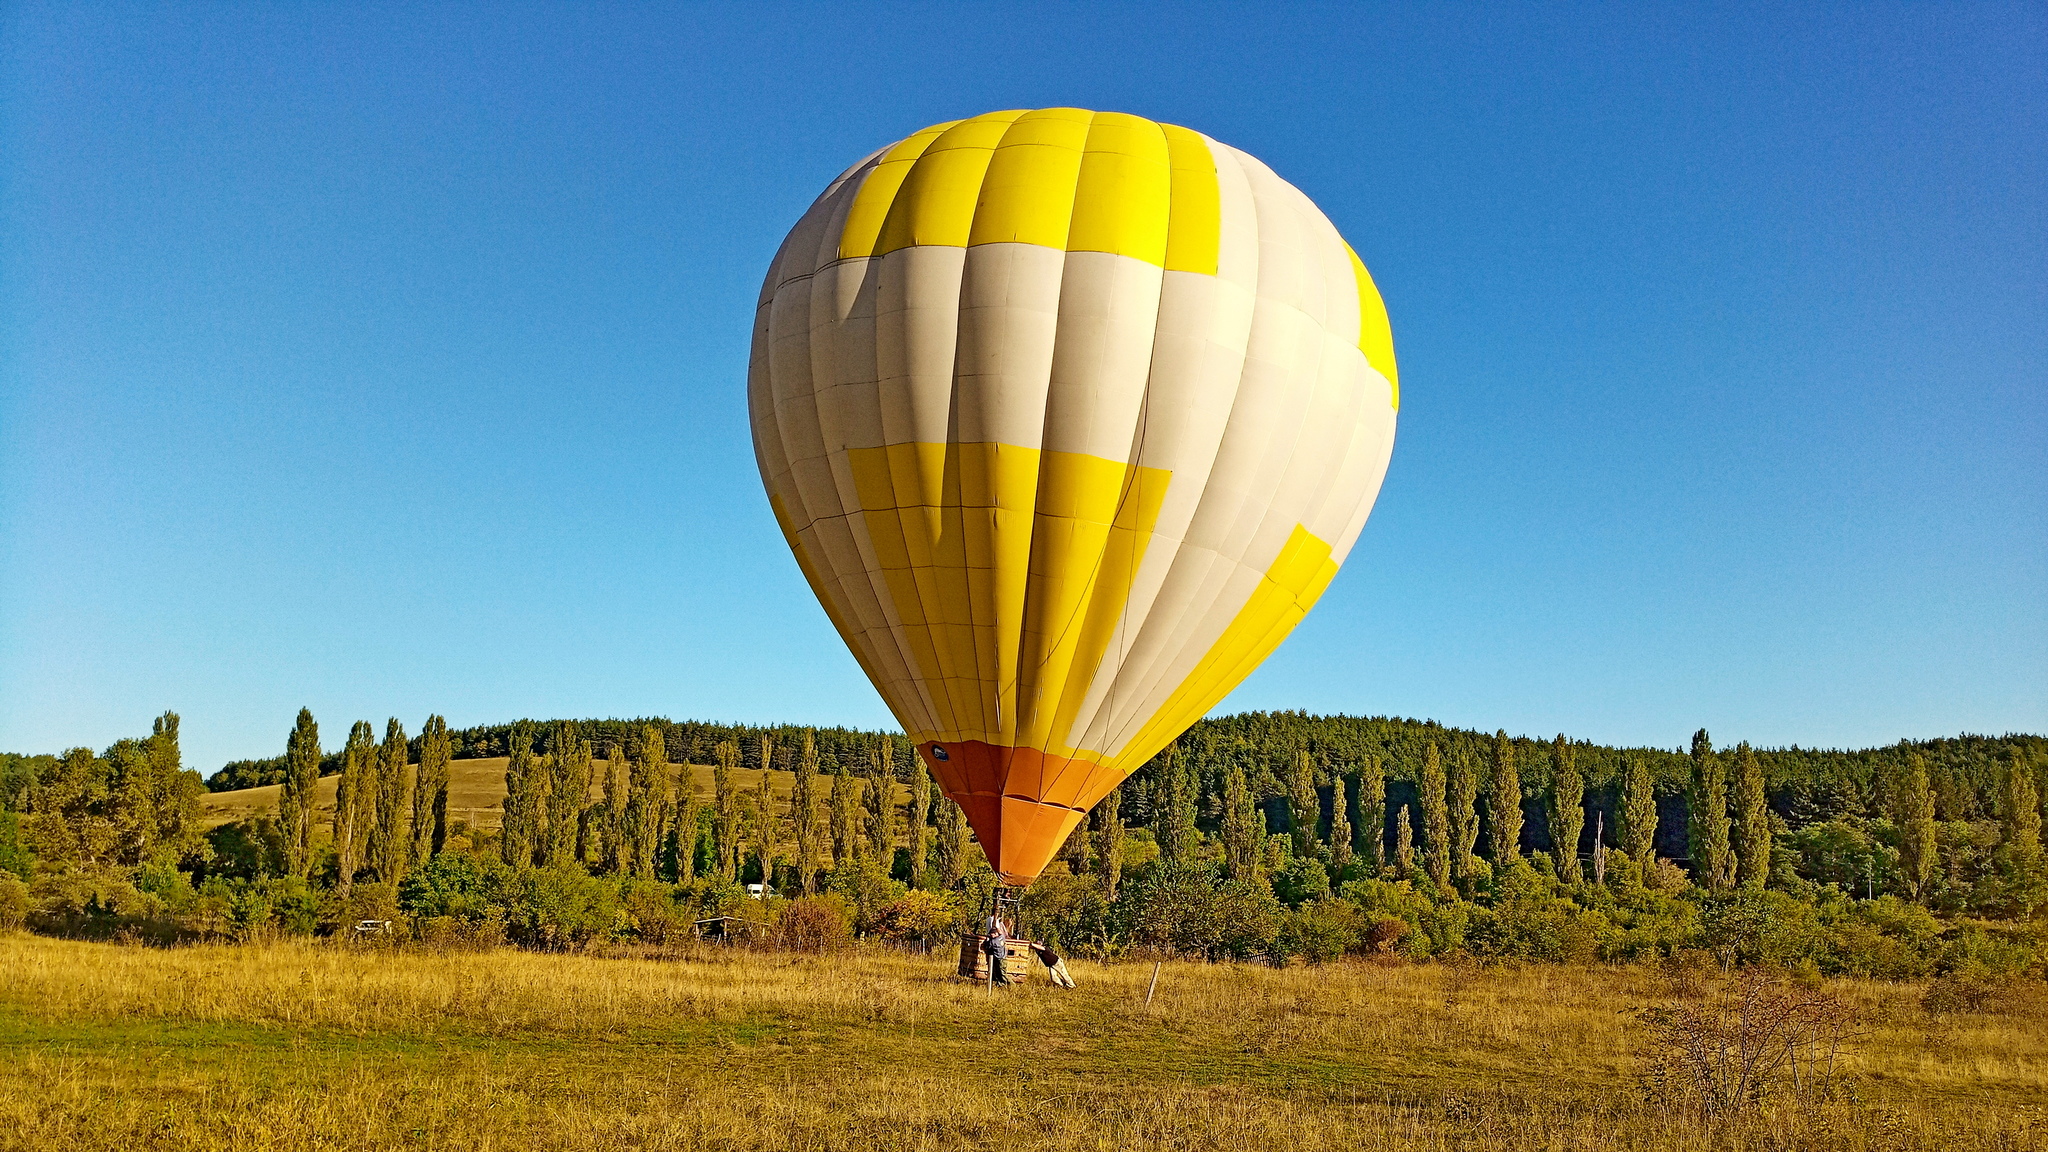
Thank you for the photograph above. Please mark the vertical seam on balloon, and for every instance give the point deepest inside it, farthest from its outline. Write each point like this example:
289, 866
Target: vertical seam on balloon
1048, 650
1133, 726
1355, 401
993, 725
1272, 515
1195, 203
878, 580
949, 716
1117, 732
908, 697
1144, 730
1331, 384
1133, 477
1193, 245
856, 520
951, 515
1020, 677
988, 704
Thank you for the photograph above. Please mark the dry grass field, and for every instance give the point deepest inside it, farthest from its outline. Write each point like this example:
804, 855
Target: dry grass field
322, 1046
476, 792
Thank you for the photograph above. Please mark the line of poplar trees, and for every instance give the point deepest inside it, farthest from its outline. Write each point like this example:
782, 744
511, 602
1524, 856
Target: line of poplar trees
1729, 841
624, 807
1255, 790
390, 813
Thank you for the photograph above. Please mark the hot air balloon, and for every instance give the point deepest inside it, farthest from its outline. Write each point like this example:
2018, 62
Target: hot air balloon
1069, 417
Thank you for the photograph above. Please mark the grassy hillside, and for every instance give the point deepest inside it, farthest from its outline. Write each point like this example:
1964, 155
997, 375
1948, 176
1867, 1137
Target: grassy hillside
302, 1046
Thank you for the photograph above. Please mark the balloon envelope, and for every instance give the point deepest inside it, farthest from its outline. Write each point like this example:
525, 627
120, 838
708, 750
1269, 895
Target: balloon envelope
1069, 417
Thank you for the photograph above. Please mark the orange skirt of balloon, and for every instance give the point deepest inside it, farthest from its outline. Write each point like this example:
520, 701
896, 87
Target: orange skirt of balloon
1022, 803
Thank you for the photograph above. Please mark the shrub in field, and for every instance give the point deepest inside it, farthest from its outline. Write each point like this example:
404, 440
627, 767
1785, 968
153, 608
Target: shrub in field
91, 901
294, 906
453, 885
1624, 873
13, 904
245, 908
1530, 921
1186, 907
1323, 930
1301, 880
1731, 1051
814, 924
867, 890
559, 907
1974, 948
653, 911
246, 850
1747, 928
1856, 854
158, 902
365, 902
447, 934
1383, 935
1951, 994
918, 915
1651, 922
709, 896
1071, 911
1432, 921
1886, 938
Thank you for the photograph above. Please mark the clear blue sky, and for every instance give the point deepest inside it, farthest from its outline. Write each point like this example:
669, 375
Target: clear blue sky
390, 360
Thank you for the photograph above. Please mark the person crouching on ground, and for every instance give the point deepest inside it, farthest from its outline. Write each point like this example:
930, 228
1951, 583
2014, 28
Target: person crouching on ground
1055, 967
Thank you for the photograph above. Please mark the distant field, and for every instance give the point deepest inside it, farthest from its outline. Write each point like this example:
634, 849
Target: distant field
476, 792
321, 1046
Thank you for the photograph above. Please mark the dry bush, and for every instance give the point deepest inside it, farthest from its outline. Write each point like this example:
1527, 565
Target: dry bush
1384, 935
1952, 994
1759, 1038
1688, 974
812, 924
14, 903
452, 934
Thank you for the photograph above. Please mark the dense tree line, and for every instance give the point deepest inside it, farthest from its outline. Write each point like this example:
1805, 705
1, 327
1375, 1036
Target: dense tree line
1255, 835
1803, 786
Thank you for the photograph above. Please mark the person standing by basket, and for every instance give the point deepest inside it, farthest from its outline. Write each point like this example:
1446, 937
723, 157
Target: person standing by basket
996, 944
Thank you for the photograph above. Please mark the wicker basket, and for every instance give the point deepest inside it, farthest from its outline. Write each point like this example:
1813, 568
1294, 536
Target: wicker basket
1018, 962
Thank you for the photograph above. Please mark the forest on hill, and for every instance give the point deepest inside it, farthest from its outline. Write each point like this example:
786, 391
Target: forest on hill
1803, 786
1262, 835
